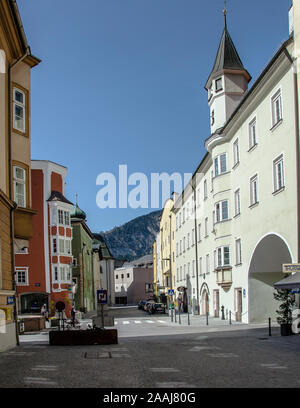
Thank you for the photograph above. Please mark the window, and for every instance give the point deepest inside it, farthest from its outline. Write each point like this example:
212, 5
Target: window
176, 222
219, 86
61, 244
189, 269
181, 273
223, 258
122, 276
237, 202
22, 276
62, 273
183, 216
54, 245
206, 227
205, 189
75, 264
67, 217
221, 211
278, 173
212, 117
68, 246
236, 153
254, 190
19, 110
199, 232
179, 219
207, 263
117, 276
20, 186
180, 247
220, 164
55, 273
60, 217
252, 134
184, 268
238, 252
276, 101
188, 240
177, 248
200, 266
148, 287
193, 268
68, 273
193, 236
183, 244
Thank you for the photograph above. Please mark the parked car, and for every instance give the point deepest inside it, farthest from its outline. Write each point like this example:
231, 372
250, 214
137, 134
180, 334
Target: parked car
141, 304
154, 307
148, 304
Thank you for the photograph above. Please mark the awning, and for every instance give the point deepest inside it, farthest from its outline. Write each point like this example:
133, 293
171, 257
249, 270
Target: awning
291, 282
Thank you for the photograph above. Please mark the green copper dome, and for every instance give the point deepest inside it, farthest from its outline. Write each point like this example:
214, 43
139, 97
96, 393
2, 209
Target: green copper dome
78, 213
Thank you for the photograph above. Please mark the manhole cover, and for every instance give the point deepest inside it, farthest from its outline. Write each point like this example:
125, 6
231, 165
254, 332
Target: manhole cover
263, 338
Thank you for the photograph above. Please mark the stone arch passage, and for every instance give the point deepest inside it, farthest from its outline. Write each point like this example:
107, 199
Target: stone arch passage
265, 269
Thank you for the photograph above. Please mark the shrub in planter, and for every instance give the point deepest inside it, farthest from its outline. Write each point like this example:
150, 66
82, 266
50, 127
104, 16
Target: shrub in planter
285, 319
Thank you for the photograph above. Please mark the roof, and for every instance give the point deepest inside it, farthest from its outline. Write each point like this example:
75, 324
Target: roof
100, 244
78, 213
57, 196
227, 57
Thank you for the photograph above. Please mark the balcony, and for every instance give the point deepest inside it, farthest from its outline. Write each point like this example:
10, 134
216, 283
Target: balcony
224, 277
23, 227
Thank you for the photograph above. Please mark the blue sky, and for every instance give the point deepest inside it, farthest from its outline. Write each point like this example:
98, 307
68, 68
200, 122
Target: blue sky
122, 82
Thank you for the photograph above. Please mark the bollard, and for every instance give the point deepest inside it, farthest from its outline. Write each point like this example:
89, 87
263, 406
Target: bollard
222, 311
175, 315
171, 314
206, 318
229, 316
270, 334
188, 318
179, 318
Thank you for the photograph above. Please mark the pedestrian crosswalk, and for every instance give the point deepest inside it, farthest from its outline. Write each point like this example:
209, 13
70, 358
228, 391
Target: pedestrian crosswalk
128, 322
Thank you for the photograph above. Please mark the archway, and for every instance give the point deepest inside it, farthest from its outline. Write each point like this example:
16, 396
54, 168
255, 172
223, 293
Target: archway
204, 302
266, 269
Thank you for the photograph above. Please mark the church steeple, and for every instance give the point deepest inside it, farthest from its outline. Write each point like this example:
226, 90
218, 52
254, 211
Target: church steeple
227, 82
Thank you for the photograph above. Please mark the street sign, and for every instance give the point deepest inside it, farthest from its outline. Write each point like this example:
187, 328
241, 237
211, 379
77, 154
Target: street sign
289, 268
102, 296
171, 292
10, 300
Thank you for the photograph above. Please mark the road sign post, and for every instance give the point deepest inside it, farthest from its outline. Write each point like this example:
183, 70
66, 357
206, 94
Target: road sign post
101, 300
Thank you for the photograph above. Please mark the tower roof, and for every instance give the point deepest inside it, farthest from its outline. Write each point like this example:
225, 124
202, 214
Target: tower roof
227, 57
77, 213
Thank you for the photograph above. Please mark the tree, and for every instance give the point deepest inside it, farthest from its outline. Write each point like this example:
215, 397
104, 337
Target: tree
287, 300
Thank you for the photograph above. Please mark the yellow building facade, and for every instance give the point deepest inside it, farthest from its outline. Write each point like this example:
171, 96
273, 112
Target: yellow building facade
16, 212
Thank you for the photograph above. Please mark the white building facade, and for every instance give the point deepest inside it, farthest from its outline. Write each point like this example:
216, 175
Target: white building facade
246, 190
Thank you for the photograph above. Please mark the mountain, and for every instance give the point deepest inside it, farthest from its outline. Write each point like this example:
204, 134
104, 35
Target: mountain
135, 238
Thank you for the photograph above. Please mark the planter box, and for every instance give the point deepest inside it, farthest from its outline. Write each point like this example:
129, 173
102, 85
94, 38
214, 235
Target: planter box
83, 337
286, 329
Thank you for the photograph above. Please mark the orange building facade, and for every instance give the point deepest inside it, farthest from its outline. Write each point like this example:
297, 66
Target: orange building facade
44, 270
